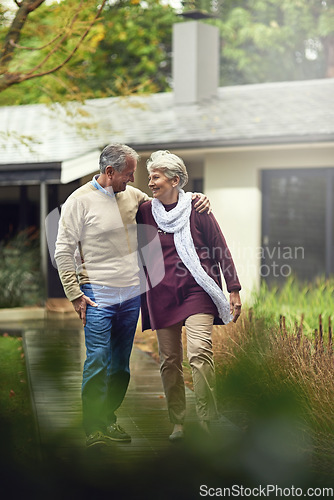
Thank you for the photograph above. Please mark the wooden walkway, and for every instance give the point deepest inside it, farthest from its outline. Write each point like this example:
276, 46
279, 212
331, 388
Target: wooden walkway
149, 466
55, 360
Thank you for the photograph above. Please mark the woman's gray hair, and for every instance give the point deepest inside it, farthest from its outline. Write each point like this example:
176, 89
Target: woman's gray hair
116, 155
170, 164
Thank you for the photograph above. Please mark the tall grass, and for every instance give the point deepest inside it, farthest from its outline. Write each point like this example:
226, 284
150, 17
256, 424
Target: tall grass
294, 301
21, 281
279, 387
275, 381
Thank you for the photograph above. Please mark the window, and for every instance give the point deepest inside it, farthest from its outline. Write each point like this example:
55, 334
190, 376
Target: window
297, 224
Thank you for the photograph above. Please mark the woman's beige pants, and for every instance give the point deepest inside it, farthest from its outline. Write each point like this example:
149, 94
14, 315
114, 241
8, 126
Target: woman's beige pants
199, 351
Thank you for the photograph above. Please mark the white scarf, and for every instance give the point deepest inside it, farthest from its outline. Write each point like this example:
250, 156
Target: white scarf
177, 221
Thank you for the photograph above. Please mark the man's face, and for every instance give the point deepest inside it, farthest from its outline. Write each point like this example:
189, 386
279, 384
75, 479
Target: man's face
120, 179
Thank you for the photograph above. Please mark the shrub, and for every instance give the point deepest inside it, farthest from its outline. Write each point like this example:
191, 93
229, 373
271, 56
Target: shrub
21, 281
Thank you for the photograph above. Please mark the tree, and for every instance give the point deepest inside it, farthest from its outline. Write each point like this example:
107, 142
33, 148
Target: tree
74, 50
32, 47
272, 40
127, 50
134, 51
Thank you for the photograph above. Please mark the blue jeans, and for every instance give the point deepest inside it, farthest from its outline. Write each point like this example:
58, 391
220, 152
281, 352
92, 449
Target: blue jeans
109, 334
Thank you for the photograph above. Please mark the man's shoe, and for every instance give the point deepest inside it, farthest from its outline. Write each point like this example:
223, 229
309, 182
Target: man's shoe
95, 439
116, 433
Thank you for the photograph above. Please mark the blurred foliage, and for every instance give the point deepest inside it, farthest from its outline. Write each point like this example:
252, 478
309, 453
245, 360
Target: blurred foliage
18, 437
38, 38
298, 302
279, 388
272, 40
133, 51
279, 40
275, 389
128, 50
21, 281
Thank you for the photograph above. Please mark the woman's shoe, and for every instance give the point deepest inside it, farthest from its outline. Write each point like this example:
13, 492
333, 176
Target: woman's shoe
177, 434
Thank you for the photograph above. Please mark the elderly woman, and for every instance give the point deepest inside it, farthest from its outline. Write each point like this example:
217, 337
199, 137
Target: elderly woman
190, 293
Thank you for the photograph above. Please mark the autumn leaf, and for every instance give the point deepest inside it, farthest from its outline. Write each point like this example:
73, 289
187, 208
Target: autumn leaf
11, 393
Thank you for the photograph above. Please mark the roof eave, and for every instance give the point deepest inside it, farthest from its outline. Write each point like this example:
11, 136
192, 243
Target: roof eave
240, 142
29, 173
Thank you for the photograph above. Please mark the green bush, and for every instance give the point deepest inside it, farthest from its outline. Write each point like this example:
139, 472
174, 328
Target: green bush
21, 281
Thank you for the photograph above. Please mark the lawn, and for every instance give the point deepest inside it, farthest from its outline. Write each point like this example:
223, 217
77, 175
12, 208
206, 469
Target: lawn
18, 433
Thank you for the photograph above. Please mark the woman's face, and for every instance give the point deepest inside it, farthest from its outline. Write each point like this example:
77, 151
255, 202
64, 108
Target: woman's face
161, 186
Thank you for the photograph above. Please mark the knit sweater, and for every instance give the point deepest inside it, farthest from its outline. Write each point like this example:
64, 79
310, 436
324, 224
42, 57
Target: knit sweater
97, 239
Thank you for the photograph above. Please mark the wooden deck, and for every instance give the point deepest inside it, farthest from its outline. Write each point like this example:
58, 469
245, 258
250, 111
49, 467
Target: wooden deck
148, 467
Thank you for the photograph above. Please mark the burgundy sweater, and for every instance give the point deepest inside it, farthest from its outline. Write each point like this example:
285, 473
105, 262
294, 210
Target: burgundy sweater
178, 296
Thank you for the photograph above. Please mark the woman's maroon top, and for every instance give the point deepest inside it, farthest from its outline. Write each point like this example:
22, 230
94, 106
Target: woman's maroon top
177, 295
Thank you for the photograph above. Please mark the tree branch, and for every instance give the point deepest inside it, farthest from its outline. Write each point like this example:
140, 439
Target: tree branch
56, 68
34, 5
56, 48
22, 47
13, 78
15, 29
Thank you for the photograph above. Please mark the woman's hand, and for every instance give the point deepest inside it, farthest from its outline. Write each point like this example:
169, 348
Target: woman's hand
203, 203
235, 305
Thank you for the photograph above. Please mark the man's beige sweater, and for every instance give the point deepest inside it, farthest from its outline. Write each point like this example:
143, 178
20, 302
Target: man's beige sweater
97, 239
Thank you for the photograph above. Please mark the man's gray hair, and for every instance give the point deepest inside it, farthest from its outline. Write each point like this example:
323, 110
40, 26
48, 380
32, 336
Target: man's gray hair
170, 164
115, 155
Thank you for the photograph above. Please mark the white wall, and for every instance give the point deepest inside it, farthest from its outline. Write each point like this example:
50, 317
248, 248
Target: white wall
232, 181
193, 163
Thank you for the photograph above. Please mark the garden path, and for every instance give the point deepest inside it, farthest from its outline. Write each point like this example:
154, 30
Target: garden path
54, 358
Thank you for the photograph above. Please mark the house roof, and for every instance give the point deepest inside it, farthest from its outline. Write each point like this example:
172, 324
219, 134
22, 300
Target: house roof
269, 113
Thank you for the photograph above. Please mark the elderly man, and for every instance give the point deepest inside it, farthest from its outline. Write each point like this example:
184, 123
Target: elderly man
96, 255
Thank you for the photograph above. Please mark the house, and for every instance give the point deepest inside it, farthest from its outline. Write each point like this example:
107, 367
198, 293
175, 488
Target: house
264, 155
